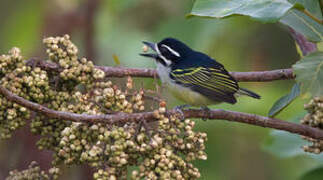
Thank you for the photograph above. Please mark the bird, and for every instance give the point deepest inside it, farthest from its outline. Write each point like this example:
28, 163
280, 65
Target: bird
193, 77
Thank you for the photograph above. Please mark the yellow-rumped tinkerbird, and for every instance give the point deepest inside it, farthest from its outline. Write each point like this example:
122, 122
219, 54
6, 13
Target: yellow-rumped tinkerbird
192, 76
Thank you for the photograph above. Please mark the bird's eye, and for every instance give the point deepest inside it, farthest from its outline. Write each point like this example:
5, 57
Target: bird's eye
163, 50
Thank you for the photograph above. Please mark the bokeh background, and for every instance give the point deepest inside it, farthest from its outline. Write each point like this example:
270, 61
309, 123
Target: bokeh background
103, 29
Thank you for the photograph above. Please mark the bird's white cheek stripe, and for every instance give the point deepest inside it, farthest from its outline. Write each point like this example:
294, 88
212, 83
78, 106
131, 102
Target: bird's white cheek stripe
171, 50
168, 62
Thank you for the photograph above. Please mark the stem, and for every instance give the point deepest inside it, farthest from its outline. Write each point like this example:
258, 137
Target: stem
256, 76
312, 16
216, 114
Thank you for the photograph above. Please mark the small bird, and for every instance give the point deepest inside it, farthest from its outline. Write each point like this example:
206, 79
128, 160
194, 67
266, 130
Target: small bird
192, 76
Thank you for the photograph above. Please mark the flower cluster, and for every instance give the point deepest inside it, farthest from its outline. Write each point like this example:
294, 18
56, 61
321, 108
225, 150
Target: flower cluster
34, 172
314, 118
159, 149
10, 62
64, 52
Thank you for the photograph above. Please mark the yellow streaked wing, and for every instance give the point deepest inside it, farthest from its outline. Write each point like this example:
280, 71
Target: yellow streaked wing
208, 81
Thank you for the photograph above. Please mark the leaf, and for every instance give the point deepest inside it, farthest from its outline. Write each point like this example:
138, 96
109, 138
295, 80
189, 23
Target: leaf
261, 10
116, 59
284, 144
303, 24
312, 6
284, 101
309, 73
314, 174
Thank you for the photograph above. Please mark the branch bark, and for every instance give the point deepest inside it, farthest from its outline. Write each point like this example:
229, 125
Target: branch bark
256, 76
216, 114
306, 46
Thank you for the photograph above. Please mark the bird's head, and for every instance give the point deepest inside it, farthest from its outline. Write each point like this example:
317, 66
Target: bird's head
168, 51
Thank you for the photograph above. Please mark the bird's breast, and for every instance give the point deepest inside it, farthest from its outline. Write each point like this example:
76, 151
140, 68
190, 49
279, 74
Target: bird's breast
189, 96
163, 73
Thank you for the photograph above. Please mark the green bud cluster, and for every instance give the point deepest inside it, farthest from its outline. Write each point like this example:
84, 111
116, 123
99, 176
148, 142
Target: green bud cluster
12, 73
158, 153
10, 61
34, 172
64, 52
162, 149
314, 118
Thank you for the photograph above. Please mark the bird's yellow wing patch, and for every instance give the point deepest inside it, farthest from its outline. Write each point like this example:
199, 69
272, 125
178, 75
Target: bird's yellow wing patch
211, 82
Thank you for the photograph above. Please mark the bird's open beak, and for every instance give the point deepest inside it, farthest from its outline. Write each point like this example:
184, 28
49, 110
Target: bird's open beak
151, 46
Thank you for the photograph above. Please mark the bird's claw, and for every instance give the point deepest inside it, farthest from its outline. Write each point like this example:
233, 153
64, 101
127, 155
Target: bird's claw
179, 110
206, 112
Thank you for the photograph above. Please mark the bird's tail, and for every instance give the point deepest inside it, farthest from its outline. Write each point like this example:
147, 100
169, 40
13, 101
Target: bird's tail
243, 91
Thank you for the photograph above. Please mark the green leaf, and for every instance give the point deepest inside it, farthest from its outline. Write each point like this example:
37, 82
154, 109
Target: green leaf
313, 6
284, 144
314, 174
309, 73
303, 24
284, 101
261, 10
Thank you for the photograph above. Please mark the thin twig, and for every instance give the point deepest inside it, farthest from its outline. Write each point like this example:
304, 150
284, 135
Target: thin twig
149, 116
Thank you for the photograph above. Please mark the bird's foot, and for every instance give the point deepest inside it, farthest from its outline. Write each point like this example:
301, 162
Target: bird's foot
179, 110
206, 112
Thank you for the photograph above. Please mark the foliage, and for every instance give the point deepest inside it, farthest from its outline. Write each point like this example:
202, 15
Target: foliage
309, 72
302, 23
290, 13
314, 174
263, 10
284, 101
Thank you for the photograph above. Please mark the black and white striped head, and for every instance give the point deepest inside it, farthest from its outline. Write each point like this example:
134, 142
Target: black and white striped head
168, 51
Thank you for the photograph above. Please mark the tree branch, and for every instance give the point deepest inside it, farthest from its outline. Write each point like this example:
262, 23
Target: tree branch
306, 46
257, 76
149, 116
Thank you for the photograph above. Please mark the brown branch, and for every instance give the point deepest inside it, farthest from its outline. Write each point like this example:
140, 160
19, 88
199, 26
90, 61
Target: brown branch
189, 113
306, 46
257, 76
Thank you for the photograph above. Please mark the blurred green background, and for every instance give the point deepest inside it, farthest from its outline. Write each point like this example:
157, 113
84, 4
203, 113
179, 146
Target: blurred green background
102, 29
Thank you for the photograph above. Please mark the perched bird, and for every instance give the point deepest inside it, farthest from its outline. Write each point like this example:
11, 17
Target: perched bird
192, 76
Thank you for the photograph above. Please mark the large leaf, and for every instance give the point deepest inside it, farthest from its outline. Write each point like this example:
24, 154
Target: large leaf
312, 6
284, 144
309, 73
284, 101
303, 24
262, 10
314, 174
